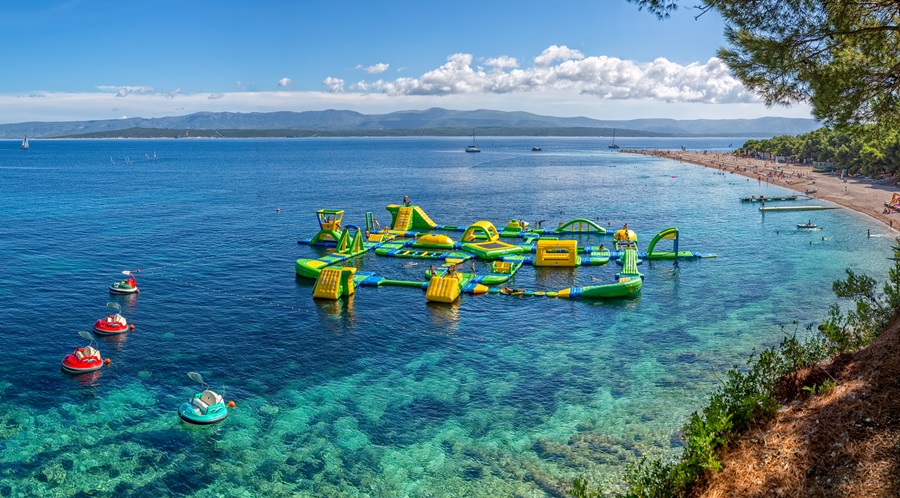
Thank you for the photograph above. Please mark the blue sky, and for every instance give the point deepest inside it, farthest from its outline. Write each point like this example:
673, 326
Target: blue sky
98, 59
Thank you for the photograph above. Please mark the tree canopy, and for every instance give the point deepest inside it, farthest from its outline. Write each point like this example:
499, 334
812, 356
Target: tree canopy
869, 154
840, 56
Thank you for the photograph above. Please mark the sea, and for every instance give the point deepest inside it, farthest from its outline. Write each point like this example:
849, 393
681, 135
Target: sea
381, 393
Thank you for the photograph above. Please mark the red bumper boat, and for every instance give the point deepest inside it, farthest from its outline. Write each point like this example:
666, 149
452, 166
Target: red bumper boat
82, 360
112, 324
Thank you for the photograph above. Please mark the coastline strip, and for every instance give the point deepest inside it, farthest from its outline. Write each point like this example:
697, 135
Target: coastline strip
863, 195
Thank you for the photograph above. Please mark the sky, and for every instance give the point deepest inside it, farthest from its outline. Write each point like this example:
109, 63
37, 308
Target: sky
67, 60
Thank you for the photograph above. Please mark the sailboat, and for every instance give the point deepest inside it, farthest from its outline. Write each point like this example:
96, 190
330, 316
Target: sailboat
614, 145
25, 143
473, 148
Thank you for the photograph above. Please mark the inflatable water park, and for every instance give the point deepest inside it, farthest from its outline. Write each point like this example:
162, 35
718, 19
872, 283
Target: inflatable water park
412, 234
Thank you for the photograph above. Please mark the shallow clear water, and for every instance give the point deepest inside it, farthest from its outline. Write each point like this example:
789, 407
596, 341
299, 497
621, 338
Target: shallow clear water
381, 394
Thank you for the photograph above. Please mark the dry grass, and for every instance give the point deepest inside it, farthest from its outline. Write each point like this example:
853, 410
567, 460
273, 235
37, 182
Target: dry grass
842, 444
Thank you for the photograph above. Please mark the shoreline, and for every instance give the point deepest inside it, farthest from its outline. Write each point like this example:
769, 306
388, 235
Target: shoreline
863, 195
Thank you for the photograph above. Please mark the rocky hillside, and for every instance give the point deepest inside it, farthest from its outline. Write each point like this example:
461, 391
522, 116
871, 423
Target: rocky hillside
842, 441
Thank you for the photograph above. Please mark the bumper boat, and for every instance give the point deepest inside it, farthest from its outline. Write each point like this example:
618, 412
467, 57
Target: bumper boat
113, 324
203, 408
127, 286
83, 360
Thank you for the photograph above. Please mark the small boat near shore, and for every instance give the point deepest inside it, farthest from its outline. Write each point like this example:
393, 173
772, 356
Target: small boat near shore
807, 226
796, 208
763, 198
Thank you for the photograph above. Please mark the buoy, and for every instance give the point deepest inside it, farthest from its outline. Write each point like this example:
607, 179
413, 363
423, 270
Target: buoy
107, 361
231, 404
132, 326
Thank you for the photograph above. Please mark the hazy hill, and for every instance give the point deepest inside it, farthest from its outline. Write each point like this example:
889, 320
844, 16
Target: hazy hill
351, 122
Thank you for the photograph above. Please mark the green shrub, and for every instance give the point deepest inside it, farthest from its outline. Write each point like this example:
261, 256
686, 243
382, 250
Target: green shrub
826, 387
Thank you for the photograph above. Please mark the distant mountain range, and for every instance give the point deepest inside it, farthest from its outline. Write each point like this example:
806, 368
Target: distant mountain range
433, 121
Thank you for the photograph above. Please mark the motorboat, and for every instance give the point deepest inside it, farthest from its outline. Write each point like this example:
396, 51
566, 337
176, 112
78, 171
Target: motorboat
85, 359
535, 149
112, 324
807, 225
126, 286
205, 407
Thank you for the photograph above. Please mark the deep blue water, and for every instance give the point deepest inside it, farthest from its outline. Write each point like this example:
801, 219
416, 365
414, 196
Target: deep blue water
382, 394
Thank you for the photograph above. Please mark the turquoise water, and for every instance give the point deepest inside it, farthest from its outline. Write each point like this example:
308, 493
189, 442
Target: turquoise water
382, 394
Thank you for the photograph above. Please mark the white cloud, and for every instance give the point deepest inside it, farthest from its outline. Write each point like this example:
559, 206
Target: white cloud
374, 68
124, 91
284, 82
502, 62
560, 82
334, 85
554, 53
562, 68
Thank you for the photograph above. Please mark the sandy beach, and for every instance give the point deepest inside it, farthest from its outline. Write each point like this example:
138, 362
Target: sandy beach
860, 194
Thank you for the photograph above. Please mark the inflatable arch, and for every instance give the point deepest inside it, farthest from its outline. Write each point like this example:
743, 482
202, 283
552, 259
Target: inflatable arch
580, 225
